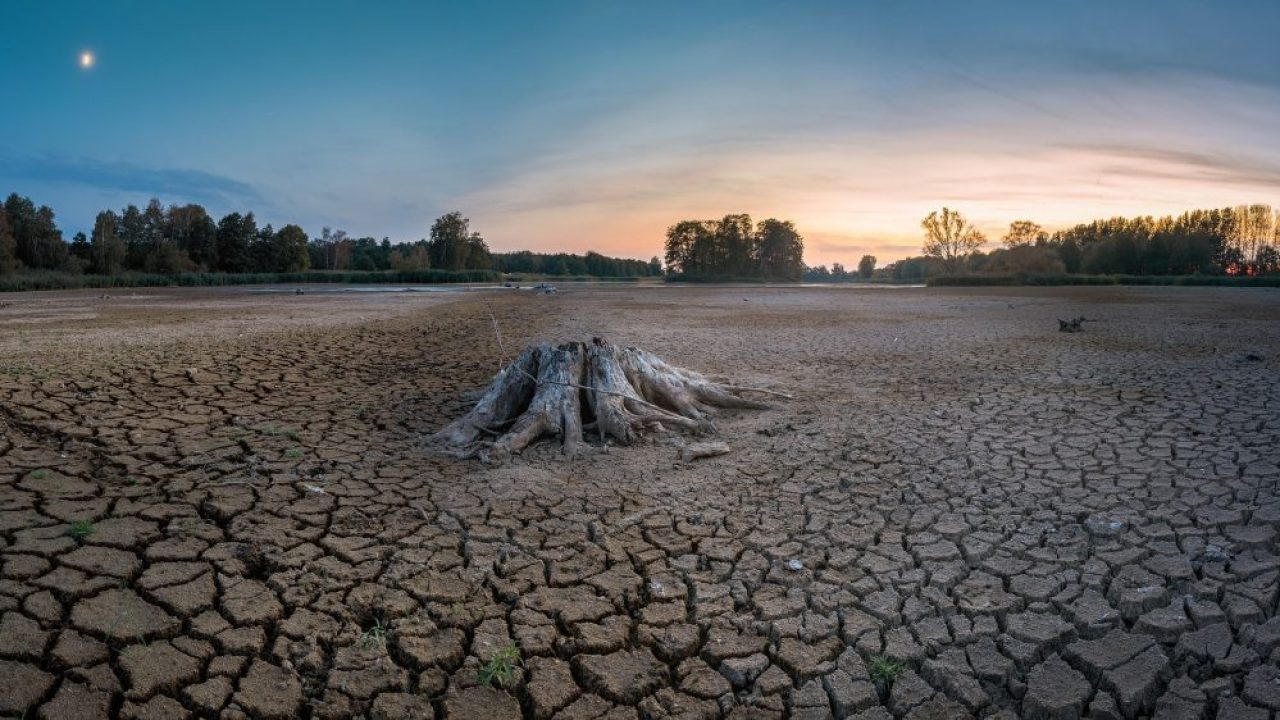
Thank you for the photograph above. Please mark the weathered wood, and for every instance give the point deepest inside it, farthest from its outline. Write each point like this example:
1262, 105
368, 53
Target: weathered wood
629, 393
697, 451
555, 408
506, 396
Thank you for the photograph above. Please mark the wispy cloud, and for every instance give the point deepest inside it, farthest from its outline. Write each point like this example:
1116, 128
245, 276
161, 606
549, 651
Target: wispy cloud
195, 185
1198, 167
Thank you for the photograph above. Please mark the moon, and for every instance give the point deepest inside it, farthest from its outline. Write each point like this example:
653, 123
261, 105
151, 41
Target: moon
87, 59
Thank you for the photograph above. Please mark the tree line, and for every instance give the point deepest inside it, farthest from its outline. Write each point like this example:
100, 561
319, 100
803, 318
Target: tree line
1236, 241
733, 248
185, 238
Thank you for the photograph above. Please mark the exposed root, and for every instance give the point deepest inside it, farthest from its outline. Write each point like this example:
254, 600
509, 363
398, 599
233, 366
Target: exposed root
618, 394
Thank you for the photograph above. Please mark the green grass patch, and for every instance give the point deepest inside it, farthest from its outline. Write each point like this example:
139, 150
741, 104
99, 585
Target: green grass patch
500, 671
884, 669
279, 431
375, 636
80, 530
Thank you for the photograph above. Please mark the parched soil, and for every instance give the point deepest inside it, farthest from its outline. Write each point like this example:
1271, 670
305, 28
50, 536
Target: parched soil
218, 503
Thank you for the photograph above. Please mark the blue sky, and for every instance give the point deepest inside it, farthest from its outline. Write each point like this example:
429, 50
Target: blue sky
576, 125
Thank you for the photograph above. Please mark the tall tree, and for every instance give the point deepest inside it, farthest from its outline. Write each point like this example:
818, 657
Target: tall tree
1024, 232
38, 242
949, 237
737, 241
236, 234
454, 246
1254, 228
155, 239
290, 249
133, 232
195, 233
686, 247
781, 250
866, 266
8, 246
108, 249
81, 250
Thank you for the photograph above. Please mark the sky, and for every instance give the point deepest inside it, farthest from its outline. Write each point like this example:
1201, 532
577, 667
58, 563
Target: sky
560, 125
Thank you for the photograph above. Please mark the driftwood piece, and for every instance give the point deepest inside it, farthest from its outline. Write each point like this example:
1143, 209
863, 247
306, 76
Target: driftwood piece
696, 451
618, 394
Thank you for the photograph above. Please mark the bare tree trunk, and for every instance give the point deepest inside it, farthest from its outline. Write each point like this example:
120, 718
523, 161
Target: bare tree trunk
628, 393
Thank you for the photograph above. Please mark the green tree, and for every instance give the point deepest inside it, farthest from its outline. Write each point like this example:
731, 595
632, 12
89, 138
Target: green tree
38, 242
156, 253
81, 250
454, 246
235, 236
290, 249
108, 251
949, 237
866, 266
781, 250
262, 250
737, 246
8, 246
688, 248
133, 232
195, 233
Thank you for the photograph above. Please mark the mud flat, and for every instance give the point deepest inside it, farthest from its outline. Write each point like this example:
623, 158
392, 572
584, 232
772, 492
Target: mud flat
216, 503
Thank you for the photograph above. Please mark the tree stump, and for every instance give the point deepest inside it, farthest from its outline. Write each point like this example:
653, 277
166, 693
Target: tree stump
1071, 326
569, 391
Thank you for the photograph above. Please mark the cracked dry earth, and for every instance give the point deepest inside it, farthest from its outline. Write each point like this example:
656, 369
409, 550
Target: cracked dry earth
217, 504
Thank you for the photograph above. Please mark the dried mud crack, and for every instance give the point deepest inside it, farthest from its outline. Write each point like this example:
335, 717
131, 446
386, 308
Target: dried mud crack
215, 504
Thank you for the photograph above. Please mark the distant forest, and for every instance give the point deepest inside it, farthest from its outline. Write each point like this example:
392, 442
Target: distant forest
734, 249
181, 239
1236, 241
